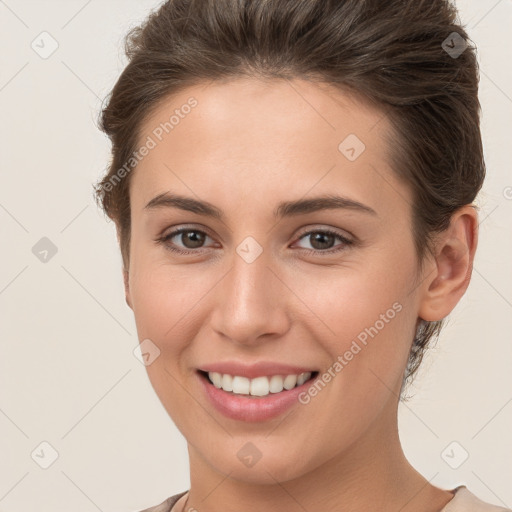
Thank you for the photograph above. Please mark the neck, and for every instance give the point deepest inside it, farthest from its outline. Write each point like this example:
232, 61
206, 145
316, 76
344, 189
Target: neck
371, 472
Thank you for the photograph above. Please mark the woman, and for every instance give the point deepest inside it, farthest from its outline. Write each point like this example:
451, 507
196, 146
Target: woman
292, 183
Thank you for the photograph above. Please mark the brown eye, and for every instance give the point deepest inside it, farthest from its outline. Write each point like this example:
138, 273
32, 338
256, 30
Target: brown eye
189, 239
323, 241
192, 239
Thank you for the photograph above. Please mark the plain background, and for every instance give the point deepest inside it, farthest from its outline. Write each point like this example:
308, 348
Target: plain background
68, 374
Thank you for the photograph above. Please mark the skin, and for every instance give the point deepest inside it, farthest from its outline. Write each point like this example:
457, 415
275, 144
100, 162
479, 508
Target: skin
248, 145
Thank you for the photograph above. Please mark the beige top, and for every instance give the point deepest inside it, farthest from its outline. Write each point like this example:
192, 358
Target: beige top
463, 501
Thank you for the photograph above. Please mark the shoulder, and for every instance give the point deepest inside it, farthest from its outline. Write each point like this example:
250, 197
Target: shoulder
166, 505
465, 501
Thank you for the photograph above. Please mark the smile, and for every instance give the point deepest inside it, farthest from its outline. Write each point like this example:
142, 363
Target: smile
256, 399
259, 386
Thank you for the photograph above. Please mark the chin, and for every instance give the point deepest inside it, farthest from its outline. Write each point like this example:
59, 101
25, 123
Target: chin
262, 467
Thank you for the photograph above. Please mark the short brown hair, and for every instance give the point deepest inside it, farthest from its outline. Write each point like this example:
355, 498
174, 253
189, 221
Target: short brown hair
412, 58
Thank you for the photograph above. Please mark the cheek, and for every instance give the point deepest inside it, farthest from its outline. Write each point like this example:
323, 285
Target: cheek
164, 308
372, 317
163, 297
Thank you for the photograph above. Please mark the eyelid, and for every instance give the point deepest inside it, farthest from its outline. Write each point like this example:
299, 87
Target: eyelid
173, 231
343, 233
346, 241
308, 229
183, 227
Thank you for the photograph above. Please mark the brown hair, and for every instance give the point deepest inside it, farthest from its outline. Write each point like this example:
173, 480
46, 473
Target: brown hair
412, 58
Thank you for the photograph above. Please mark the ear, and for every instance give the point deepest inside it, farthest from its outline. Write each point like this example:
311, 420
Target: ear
454, 254
127, 288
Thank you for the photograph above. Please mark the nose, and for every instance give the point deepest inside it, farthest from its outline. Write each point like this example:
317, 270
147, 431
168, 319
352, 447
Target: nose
251, 302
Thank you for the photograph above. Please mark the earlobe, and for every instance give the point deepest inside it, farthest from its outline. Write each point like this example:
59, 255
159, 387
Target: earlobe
455, 251
127, 288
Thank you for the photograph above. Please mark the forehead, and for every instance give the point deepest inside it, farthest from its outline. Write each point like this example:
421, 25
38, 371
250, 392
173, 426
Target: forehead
268, 107
265, 138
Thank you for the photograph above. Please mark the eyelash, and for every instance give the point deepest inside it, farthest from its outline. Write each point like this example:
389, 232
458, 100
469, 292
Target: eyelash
345, 241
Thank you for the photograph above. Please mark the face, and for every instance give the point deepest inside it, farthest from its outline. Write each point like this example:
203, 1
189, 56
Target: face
328, 288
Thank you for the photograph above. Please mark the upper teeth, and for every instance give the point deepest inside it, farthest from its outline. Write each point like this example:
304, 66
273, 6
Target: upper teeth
260, 386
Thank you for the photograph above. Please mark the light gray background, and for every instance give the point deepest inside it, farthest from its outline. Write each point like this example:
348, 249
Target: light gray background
68, 375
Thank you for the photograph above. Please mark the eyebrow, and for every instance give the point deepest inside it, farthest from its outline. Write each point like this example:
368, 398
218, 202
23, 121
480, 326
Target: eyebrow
284, 209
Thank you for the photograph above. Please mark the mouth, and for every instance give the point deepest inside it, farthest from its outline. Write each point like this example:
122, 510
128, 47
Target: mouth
259, 387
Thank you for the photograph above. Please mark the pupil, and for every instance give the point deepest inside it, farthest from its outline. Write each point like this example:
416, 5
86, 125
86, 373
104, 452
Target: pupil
192, 237
318, 237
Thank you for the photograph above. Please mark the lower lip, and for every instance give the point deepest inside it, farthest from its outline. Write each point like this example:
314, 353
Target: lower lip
244, 408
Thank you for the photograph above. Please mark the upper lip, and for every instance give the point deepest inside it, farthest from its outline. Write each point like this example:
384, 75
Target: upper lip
251, 371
